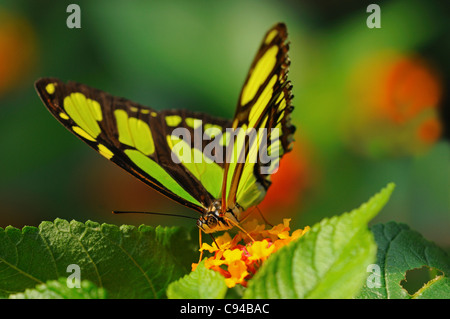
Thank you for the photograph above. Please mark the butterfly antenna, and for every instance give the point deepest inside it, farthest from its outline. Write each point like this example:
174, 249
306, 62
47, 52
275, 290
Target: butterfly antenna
152, 213
167, 214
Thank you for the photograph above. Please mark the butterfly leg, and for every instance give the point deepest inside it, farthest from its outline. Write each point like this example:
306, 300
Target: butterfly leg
200, 244
240, 228
214, 240
262, 216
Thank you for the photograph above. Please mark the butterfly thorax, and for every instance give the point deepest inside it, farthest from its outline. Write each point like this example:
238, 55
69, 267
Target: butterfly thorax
214, 219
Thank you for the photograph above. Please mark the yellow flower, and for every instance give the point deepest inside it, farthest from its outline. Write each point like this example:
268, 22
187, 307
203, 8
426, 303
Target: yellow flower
232, 255
223, 241
260, 250
238, 271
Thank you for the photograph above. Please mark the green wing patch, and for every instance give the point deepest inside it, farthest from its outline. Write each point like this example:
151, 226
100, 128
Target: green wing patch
133, 137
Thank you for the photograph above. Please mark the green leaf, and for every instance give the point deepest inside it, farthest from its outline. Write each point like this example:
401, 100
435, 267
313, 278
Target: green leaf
128, 262
329, 261
202, 283
58, 289
401, 249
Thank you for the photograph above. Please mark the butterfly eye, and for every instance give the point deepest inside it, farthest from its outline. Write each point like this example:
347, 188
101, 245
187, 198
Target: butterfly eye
211, 221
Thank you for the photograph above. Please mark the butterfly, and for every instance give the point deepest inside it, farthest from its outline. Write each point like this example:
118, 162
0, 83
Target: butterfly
143, 141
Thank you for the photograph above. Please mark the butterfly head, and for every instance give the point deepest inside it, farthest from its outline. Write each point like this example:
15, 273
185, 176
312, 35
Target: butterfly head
214, 219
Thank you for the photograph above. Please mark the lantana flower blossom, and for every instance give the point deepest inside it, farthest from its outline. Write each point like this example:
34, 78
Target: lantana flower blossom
240, 257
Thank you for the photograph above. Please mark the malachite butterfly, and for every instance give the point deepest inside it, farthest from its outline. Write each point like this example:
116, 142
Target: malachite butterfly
142, 140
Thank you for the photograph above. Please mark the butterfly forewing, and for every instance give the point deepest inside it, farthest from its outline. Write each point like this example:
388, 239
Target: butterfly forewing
138, 138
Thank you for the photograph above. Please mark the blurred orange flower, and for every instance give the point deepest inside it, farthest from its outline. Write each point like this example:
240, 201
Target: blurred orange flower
410, 86
240, 257
17, 49
295, 176
394, 105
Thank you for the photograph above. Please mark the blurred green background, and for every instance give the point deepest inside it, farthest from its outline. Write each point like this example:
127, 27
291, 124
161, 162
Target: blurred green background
371, 104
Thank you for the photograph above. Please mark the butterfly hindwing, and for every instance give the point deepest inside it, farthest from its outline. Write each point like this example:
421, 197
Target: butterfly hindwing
136, 137
203, 157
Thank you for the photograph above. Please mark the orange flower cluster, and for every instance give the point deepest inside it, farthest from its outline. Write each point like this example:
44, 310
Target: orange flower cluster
394, 106
18, 49
240, 257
